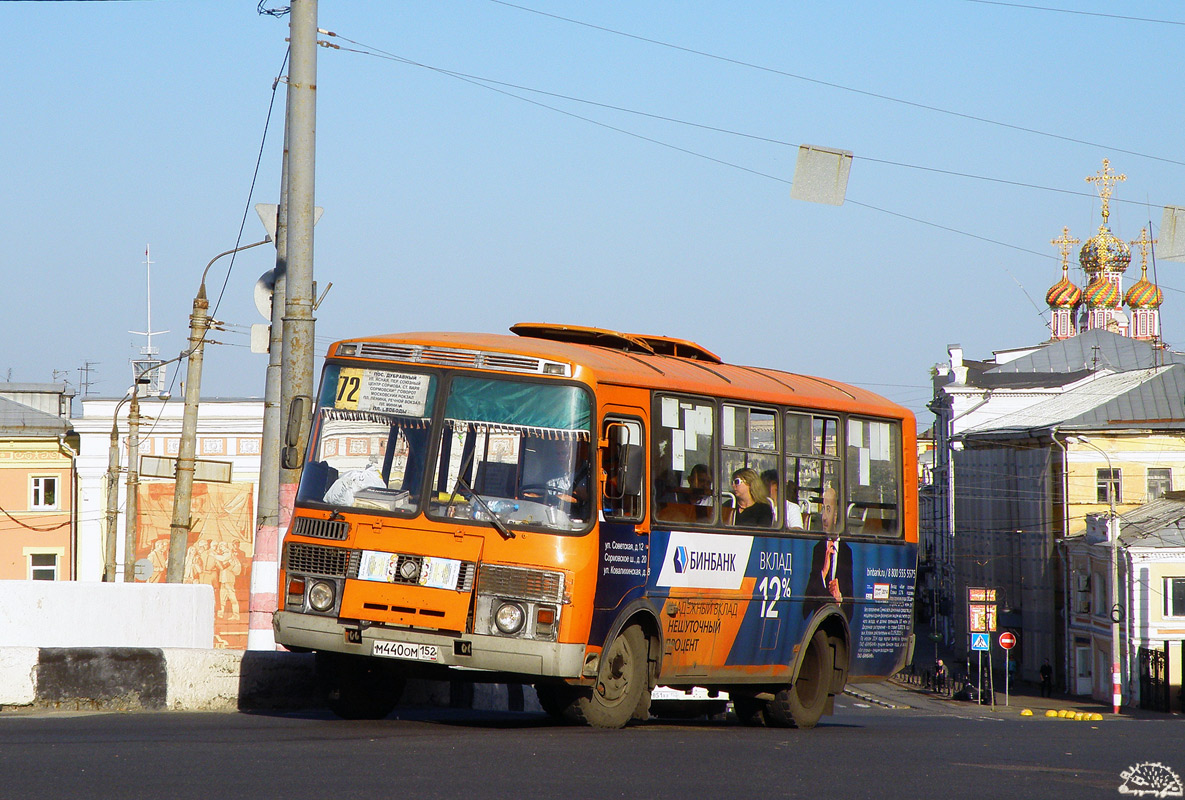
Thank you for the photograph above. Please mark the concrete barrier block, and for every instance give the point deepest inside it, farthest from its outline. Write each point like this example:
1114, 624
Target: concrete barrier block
202, 680
18, 676
108, 678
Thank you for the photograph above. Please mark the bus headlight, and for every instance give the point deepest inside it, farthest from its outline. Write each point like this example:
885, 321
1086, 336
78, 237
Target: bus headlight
509, 617
321, 596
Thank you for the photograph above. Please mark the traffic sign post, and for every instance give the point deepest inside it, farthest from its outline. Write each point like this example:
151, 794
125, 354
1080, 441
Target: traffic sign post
1007, 641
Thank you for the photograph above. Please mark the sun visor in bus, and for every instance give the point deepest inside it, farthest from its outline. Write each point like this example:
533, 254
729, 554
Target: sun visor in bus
522, 405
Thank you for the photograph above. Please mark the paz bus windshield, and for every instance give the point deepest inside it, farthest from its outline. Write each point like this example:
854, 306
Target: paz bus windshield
507, 452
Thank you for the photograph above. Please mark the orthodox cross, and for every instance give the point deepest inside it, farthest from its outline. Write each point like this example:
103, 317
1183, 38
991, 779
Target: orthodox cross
1063, 244
1144, 242
1106, 180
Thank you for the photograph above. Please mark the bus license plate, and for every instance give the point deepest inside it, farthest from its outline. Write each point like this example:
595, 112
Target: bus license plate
406, 650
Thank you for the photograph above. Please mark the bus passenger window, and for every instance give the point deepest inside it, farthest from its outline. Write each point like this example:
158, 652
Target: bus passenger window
873, 464
811, 467
684, 437
748, 447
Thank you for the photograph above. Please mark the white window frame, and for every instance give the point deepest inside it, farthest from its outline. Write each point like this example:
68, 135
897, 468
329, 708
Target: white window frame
37, 493
1168, 595
59, 553
1112, 480
1161, 471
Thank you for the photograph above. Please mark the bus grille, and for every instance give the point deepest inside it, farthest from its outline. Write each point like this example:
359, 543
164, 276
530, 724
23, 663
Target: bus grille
314, 559
321, 528
450, 357
464, 579
527, 584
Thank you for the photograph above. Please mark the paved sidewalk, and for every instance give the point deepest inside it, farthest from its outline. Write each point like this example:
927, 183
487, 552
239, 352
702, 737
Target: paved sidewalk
896, 694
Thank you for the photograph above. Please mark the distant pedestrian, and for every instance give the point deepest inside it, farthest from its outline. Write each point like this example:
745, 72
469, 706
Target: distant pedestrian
1046, 679
940, 677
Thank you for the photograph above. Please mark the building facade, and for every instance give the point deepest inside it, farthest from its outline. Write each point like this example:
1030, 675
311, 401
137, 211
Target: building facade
221, 544
37, 482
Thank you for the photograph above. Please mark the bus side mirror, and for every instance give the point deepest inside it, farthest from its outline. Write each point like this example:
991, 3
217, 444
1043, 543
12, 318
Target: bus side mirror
292, 455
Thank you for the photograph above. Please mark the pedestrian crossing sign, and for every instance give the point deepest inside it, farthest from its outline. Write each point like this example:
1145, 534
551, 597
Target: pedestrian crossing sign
979, 641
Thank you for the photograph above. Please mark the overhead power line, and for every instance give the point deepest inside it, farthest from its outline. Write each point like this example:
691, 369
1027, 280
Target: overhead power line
840, 86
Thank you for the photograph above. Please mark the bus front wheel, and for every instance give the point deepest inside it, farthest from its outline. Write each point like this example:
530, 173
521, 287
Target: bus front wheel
358, 687
802, 703
622, 690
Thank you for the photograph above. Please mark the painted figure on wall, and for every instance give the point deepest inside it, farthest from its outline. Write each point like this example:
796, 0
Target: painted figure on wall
219, 552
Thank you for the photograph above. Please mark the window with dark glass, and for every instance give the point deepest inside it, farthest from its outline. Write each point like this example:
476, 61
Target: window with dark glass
811, 477
684, 440
623, 468
1160, 482
514, 453
749, 475
370, 439
1174, 597
1109, 483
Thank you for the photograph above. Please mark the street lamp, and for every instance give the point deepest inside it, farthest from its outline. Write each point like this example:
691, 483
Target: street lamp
199, 323
1116, 612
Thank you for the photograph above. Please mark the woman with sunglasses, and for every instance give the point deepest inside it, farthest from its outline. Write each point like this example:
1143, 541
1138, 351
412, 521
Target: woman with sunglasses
753, 508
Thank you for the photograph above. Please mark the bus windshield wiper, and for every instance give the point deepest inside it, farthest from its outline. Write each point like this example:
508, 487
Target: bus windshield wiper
498, 523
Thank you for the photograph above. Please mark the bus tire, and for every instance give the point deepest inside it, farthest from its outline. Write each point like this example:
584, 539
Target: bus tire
358, 687
556, 698
802, 703
622, 687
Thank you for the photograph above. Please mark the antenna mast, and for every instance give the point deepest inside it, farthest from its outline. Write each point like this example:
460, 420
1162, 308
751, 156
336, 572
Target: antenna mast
147, 370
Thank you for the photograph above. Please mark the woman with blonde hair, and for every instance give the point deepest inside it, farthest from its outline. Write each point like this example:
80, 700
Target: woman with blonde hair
753, 506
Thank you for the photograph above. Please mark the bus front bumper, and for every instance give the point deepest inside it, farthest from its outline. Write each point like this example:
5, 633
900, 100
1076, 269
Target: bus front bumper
477, 652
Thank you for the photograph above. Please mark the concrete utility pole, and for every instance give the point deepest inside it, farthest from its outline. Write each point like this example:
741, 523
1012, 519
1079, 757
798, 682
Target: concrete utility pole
297, 379
199, 323
112, 486
133, 493
265, 563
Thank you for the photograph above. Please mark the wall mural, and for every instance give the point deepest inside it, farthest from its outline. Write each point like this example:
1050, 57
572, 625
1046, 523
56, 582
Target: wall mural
221, 546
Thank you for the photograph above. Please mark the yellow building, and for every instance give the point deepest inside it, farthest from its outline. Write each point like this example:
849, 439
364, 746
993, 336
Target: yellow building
37, 485
1149, 608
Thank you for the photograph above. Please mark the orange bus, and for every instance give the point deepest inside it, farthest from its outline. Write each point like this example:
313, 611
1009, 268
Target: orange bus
597, 514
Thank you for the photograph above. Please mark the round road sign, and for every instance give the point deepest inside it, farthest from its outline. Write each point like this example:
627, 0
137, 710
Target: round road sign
1007, 640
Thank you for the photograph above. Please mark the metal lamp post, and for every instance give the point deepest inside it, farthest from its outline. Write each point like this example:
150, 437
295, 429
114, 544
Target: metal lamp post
1113, 536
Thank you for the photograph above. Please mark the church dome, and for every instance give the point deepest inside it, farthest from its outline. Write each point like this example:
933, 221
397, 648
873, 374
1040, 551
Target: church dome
1104, 252
1101, 293
1144, 294
1063, 294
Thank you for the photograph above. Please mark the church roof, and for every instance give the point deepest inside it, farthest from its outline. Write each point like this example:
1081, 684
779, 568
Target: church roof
1093, 349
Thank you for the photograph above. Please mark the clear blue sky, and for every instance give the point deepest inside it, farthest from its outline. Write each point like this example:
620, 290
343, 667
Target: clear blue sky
450, 206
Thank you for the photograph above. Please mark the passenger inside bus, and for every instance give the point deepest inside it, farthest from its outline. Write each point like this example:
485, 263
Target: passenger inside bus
752, 500
699, 482
793, 510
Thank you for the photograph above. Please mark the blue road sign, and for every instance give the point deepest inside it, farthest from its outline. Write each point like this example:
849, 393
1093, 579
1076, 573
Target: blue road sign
979, 641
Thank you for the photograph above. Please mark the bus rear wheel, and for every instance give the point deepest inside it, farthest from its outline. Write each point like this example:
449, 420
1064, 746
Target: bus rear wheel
622, 690
358, 687
802, 703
